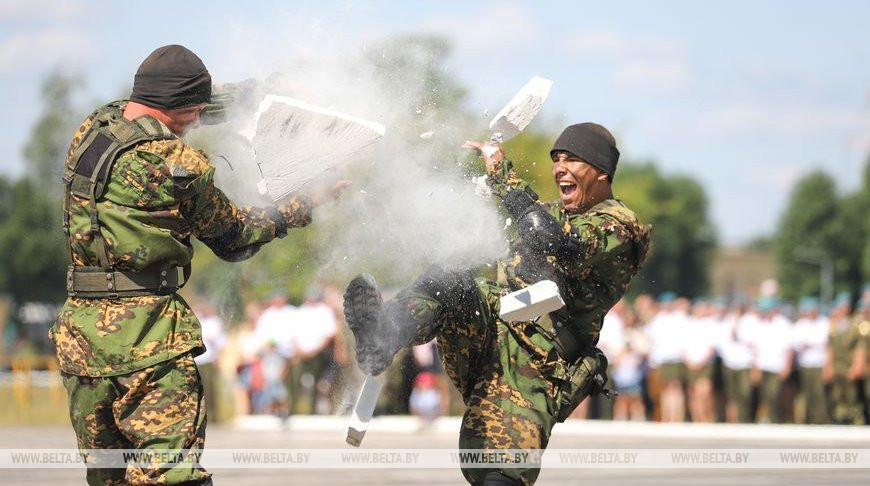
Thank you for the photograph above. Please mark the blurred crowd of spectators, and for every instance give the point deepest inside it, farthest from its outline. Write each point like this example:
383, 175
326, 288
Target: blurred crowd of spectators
671, 359
710, 360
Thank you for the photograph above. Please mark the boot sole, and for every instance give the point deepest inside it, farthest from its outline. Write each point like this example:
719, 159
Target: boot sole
362, 301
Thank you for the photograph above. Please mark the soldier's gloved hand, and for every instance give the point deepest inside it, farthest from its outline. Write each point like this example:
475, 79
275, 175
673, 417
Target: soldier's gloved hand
228, 97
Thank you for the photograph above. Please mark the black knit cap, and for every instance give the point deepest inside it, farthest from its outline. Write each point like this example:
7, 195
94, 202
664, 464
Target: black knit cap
590, 142
172, 77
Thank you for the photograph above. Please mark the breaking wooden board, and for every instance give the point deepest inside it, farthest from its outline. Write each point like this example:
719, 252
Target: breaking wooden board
520, 110
363, 410
296, 142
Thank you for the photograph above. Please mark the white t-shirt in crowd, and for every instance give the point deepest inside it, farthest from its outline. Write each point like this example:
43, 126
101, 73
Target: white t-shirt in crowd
732, 348
276, 324
612, 337
700, 341
214, 338
250, 345
811, 341
667, 332
314, 325
771, 340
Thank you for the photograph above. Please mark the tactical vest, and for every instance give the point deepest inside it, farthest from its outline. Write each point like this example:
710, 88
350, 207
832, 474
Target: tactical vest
86, 176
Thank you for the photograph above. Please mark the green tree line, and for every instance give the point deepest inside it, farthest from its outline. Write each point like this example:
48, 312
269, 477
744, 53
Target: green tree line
823, 232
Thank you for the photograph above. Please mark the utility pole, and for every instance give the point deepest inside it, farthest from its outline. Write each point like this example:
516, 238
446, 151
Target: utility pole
821, 258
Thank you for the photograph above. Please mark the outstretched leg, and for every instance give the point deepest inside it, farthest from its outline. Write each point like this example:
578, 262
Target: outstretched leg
508, 374
415, 316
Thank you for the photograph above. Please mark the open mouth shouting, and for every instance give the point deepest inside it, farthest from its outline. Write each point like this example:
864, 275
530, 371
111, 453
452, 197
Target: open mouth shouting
567, 188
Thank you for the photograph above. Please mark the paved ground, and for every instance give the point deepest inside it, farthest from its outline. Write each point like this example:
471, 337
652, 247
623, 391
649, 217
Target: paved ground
328, 433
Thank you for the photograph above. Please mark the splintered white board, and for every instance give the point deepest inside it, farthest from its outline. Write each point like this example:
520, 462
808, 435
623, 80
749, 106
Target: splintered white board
296, 142
521, 109
363, 410
531, 302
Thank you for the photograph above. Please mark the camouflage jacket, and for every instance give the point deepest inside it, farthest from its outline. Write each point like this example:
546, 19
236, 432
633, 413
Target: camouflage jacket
844, 339
609, 245
159, 194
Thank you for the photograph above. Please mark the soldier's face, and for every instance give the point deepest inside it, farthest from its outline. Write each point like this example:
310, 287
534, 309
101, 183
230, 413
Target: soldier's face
575, 179
182, 120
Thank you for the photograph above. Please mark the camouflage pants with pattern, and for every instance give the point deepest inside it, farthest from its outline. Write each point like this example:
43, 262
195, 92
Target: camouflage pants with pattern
845, 401
514, 385
160, 407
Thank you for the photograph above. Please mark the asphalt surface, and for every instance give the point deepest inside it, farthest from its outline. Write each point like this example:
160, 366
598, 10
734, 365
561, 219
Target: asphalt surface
327, 433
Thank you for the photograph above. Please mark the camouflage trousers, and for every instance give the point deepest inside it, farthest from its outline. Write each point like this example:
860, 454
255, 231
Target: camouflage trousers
845, 401
160, 407
514, 384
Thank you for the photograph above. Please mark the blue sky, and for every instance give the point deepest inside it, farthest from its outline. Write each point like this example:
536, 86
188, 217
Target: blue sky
745, 96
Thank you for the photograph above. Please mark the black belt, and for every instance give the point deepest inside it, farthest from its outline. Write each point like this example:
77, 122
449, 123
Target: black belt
97, 282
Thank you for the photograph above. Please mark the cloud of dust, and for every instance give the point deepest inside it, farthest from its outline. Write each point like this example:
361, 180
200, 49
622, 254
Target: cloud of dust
412, 203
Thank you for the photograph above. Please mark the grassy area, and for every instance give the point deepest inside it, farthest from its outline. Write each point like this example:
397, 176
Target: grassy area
33, 405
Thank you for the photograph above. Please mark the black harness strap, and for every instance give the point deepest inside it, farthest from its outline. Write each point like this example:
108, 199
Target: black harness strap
87, 175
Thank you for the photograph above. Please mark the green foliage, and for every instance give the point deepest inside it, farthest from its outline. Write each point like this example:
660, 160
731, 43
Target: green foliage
819, 225
288, 264
33, 250
850, 229
412, 68
865, 200
46, 148
683, 238
33, 255
530, 153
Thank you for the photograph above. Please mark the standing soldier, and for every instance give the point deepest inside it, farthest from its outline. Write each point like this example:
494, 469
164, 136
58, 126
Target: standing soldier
698, 358
810, 343
667, 333
843, 343
135, 195
519, 378
861, 358
736, 363
771, 342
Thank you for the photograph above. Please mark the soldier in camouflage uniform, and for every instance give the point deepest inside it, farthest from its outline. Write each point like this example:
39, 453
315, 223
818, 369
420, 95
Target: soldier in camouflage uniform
519, 378
844, 343
136, 194
861, 358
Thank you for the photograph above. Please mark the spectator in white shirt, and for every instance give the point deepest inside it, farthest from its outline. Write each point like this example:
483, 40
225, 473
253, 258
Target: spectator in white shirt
611, 342
810, 343
736, 362
770, 339
315, 327
666, 334
275, 327
700, 346
628, 368
214, 338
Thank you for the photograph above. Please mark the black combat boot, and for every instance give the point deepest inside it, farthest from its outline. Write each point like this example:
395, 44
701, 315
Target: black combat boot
377, 334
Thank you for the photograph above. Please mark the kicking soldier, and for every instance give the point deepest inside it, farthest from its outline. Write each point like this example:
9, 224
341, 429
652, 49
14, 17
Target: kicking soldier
519, 378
